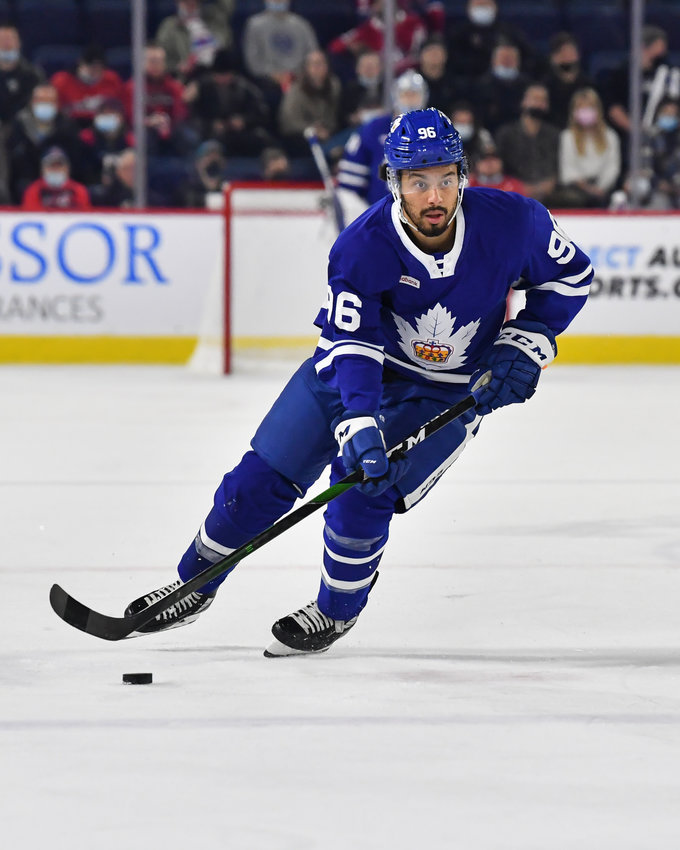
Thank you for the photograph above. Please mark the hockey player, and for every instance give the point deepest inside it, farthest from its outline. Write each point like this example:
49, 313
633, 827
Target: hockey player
414, 314
359, 180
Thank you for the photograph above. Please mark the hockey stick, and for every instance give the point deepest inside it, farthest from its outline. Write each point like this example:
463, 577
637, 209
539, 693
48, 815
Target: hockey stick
324, 171
117, 628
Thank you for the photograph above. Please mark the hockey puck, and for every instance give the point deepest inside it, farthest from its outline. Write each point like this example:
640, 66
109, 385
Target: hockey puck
137, 678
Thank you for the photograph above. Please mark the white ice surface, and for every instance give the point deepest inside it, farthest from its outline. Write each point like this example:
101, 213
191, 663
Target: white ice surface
514, 683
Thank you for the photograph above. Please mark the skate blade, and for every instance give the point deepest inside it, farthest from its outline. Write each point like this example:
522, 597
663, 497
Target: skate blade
276, 649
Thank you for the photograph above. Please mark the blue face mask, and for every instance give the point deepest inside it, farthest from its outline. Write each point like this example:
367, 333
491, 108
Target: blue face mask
501, 72
44, 111
107, 122
8, 57
55, 179
667, 123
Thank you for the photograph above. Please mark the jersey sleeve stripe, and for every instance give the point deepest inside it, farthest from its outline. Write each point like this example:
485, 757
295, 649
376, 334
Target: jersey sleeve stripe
327, 344
577, 278
357, 167
351, 179
562, 288
342, 350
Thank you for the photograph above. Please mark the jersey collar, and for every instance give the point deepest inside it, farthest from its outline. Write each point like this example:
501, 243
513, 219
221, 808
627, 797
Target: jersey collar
450, 259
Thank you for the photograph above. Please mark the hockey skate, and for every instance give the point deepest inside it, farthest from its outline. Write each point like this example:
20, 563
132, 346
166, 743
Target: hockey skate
306, 632
180, 614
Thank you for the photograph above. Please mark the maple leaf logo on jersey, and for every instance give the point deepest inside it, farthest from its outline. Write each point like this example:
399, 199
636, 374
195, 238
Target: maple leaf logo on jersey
433, 342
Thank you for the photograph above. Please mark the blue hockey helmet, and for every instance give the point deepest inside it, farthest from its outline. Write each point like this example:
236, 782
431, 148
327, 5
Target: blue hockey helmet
423, 138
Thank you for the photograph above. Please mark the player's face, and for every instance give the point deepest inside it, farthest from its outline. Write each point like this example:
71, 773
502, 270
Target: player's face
429, 197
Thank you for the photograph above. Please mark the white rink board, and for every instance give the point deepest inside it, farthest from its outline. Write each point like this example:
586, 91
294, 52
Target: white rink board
108, 274
636, 288
280, 242
279, 259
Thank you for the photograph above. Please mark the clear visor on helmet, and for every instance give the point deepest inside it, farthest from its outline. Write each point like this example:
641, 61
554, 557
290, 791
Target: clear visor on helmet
414, 182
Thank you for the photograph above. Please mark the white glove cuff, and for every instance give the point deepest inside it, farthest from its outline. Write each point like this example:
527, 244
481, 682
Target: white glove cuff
349, 427
536, 346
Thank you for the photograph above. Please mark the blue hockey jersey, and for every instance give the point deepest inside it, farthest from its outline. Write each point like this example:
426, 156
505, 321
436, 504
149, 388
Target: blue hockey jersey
363, 155
430, 318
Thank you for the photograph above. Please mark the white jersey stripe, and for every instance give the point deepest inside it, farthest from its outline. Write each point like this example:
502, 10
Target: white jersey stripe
443, 377
357, 167
562, 288
338, 350
577, 278
351, 179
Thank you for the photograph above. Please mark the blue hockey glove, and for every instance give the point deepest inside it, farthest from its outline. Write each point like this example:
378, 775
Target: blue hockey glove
515, 359
363, 447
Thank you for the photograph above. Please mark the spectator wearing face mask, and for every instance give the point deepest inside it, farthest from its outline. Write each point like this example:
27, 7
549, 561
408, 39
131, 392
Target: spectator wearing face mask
475, 138
565, 77
528, 146
661, 157
18, 78
488, 171
37, 128
499, 92
472, 42
589, 154
82, 92
105, 139
54, 189
659, 80
204, 183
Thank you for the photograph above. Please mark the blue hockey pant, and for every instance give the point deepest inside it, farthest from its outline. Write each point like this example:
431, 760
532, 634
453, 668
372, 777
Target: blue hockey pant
290, 451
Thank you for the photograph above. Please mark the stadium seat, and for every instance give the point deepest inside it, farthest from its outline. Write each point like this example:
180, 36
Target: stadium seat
119, 59
48, 22
109, 22
56, 57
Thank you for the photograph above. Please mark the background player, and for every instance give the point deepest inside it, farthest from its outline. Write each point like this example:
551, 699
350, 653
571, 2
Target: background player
359, 180
414, 314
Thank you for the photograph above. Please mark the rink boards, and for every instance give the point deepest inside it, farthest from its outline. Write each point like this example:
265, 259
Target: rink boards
149, 286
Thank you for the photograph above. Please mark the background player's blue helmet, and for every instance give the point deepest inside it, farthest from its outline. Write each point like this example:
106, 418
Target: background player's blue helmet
423, 138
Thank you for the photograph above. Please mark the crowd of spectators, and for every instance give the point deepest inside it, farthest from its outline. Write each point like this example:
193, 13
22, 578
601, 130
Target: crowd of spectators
220, 108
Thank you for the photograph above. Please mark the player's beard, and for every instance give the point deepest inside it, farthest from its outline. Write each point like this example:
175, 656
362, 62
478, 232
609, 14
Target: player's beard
423, 224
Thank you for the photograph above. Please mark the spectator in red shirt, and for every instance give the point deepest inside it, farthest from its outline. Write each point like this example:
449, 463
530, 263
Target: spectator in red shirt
81, 93
166, 111
488, 171
55, 190
409, 33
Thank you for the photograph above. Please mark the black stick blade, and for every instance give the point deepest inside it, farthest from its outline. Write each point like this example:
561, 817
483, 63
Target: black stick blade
81, 617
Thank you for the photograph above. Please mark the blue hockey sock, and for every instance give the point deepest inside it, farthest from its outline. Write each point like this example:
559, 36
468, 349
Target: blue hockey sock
348, 572
250, 498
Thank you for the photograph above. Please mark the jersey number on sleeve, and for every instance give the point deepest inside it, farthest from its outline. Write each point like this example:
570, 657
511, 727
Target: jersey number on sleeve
560, 246
347, 316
